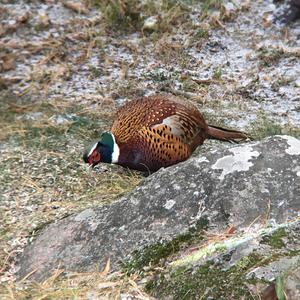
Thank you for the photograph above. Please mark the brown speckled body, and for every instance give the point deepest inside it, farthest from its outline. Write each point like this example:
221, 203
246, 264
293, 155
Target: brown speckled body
158, 131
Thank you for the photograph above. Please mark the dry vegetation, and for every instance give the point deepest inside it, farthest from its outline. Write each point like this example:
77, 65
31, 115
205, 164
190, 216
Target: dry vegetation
45, 127
96, 285
43, 179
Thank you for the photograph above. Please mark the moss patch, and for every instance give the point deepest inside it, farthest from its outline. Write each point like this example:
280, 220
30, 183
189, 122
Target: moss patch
208, 280
155, 254
275, 240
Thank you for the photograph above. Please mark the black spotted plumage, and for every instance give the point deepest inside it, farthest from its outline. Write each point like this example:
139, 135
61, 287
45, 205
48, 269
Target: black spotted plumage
159, 131
158, 144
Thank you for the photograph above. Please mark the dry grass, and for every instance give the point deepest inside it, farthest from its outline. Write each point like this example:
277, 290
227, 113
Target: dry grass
43, 178
126, 16
95, 285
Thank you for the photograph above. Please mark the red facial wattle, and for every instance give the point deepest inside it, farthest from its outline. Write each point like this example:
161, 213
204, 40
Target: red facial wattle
94, 158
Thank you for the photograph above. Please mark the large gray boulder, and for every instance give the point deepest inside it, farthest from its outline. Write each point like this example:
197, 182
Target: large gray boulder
242, 185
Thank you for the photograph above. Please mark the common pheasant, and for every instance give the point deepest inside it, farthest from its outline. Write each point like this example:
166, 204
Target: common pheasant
154, 132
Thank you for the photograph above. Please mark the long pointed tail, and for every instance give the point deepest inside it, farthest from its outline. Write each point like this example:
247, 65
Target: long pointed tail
224, 134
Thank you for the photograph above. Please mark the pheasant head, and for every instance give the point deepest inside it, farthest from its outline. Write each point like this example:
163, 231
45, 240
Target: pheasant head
105, 150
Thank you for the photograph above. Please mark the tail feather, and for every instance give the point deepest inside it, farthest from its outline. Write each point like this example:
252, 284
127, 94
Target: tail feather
224, 134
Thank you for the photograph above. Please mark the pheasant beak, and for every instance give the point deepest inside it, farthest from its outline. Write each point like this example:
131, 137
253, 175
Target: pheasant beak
90, 161
94, 158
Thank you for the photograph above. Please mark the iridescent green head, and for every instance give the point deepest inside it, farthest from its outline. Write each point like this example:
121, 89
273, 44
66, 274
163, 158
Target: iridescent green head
106, 150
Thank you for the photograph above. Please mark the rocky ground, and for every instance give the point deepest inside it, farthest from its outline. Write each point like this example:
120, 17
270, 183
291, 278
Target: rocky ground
67, 65
230, 213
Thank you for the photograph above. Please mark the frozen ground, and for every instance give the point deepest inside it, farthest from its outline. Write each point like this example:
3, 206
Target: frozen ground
61, 54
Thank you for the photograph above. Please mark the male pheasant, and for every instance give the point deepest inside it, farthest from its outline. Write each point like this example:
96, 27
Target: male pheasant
154, 132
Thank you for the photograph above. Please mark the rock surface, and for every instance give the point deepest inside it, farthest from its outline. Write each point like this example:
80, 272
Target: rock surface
256, 265
242, 185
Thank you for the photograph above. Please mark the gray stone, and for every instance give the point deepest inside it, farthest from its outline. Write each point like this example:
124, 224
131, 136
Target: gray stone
240, 186
274, 269
292, 283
